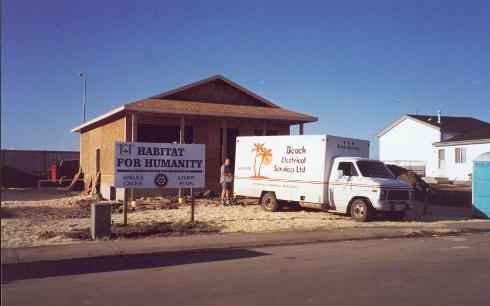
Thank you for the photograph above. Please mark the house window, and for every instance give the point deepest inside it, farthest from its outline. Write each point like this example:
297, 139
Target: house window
460, 155
441, 157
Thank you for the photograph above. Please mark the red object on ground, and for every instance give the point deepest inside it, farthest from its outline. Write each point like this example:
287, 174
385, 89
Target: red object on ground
53, 173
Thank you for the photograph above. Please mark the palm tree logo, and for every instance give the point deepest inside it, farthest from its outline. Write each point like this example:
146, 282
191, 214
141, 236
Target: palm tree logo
265, 157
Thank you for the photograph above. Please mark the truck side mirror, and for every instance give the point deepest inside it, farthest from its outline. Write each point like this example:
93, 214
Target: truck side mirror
340, 174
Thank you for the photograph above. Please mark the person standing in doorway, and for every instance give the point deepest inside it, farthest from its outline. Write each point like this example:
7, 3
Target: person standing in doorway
226, 179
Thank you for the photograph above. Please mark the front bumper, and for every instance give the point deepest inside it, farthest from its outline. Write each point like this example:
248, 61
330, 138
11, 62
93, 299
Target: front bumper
393, 205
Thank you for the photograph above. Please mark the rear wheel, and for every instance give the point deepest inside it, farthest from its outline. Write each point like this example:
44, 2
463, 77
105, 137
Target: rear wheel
269, 202
360, 210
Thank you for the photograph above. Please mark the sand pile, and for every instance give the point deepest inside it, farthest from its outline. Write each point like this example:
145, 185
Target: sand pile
420, 187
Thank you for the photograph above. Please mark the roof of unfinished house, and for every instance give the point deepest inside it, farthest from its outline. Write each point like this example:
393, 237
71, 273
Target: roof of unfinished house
212, 97
448, 124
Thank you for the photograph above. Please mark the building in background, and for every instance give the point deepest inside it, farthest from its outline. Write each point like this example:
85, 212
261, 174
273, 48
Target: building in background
24, 168
437, 147
460, 151
213, 111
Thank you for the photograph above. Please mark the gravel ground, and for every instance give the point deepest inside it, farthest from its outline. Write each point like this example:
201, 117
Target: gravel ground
32, 218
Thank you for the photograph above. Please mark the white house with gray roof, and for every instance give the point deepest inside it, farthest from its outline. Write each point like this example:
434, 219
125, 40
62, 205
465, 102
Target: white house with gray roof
437, 146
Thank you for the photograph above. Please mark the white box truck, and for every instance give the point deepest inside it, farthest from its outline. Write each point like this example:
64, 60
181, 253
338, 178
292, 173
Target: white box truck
318, 171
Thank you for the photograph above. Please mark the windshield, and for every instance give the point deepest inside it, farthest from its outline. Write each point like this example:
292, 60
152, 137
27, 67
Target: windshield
374, 169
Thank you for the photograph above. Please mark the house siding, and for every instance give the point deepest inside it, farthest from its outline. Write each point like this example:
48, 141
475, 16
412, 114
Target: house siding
461, 171
216, 91
411, 141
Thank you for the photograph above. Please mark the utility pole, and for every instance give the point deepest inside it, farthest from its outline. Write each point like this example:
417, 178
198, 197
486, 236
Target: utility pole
84, 103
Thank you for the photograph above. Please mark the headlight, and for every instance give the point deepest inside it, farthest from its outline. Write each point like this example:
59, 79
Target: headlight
411, 195
383, 194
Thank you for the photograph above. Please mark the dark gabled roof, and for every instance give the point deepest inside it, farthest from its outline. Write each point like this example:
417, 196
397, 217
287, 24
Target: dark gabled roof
476, 136
452, 124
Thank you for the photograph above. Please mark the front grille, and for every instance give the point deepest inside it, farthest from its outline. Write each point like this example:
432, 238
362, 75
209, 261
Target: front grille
398, 194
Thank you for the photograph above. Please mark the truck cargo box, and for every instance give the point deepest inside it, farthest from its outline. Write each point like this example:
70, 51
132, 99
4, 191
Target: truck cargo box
296, 167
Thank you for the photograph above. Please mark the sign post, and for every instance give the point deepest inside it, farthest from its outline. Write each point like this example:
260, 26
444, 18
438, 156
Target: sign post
192, 206
159, 165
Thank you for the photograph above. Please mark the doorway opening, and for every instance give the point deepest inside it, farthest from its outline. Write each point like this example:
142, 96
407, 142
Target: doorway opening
157, 133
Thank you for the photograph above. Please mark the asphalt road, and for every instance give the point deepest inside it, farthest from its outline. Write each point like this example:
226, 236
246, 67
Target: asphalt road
413, 271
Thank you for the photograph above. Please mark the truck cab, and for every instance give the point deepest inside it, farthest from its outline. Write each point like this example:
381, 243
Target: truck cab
361, 186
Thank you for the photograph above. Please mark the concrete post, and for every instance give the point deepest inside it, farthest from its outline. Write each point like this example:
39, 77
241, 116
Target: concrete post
301, 128
100, 220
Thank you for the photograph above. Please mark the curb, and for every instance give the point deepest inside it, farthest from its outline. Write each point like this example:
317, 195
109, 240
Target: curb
222, 242
15, 271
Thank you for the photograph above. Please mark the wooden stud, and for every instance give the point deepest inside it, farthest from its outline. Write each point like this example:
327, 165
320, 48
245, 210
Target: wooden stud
224, 141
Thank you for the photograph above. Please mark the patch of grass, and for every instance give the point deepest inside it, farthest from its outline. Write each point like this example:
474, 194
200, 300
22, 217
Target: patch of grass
162, 229
47, 235
144, 229
191, 227
81, 234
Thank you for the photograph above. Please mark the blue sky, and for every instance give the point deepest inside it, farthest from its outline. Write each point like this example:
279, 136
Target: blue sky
346, 62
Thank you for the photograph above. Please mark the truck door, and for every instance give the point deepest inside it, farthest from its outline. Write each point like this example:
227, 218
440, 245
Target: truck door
342, 188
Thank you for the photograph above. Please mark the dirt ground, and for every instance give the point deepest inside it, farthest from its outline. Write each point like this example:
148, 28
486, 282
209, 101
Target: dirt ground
32, 218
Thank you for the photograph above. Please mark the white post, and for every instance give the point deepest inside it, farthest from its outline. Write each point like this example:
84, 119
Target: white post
181, 141
134, 138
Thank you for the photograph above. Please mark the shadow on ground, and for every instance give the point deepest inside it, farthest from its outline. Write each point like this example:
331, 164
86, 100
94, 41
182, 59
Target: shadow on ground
47, 212
21, 271
33, 194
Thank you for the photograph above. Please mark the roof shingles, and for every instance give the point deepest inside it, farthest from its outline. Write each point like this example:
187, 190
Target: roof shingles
452, 124
220, 98
217, 109
478, 134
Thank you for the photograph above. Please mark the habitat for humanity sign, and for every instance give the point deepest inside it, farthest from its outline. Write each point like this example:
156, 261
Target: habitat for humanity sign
159, 165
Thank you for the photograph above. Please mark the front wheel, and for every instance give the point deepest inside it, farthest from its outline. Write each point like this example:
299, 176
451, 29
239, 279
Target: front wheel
269, 202
360, 211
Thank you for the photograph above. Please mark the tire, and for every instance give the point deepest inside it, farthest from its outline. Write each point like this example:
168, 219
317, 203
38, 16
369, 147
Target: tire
397, 215
360, 210
269, 202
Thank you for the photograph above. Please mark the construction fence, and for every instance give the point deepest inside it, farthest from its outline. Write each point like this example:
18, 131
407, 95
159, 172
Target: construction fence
23, 168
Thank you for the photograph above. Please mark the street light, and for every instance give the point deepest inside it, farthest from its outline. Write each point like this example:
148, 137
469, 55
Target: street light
84, 103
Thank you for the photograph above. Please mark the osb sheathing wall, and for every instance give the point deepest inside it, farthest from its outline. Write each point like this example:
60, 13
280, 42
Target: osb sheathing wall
216, 91
205, 131
102, 136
